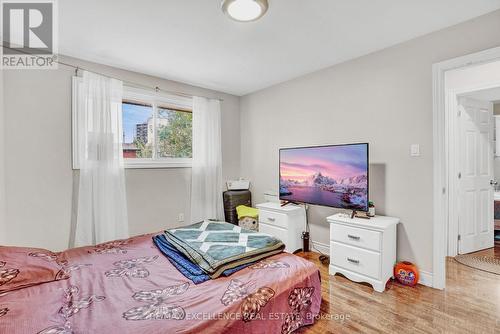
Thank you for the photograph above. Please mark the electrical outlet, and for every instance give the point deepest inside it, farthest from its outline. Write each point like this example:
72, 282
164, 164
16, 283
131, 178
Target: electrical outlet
180, 217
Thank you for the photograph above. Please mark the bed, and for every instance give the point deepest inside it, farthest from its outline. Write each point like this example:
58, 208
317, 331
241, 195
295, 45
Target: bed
128, 286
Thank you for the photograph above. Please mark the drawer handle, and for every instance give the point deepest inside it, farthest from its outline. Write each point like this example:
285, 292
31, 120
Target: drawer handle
353, 237
353, 260
271, 219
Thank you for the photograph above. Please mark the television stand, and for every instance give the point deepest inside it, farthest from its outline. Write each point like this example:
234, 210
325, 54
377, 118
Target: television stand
289, 202
285, 223
349, 241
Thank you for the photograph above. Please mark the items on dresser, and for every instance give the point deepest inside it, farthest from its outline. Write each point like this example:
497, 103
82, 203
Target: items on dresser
232, 199
238, 185
371, 209
285, 223
363, 250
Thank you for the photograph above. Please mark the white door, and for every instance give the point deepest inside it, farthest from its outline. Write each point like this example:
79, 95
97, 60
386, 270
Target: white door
476, 175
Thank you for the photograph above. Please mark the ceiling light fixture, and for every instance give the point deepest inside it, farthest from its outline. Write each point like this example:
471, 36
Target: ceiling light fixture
245, 10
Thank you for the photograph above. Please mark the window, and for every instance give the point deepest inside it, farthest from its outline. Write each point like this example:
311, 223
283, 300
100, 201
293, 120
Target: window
174, 133
157, 130
135, 119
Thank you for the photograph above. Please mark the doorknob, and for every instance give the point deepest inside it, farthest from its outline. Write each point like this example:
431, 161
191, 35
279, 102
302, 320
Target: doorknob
493, 182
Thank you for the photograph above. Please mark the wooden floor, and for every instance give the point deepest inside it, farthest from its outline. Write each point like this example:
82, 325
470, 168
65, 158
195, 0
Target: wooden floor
490, 252
469, 304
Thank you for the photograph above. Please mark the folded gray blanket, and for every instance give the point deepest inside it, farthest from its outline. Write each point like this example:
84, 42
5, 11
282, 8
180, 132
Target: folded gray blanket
217, 246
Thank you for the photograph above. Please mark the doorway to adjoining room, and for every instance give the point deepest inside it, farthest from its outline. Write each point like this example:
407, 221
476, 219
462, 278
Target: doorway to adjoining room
473, 102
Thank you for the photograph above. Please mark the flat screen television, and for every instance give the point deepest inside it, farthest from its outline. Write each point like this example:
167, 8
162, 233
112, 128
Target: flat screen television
333, 175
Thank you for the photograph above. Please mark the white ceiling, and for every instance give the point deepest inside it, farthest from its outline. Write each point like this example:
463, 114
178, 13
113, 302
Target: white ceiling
193, 42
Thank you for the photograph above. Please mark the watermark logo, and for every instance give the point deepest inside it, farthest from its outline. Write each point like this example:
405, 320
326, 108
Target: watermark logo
29, 34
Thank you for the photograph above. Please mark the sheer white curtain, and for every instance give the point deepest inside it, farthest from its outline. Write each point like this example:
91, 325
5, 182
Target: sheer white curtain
206, 184
102, 206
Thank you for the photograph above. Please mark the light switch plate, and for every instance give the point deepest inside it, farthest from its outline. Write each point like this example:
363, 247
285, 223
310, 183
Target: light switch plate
415, 150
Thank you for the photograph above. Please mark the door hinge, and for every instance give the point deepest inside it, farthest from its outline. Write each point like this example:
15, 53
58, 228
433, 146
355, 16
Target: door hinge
459, 112
459, 237
459, 175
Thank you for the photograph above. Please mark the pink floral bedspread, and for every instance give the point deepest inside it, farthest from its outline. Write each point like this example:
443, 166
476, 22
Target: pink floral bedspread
128, 286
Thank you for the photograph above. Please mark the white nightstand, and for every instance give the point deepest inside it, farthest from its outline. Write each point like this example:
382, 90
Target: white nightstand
285, 223
363, 250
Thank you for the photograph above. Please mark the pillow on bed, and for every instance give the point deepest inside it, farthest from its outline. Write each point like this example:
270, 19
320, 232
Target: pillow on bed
22, 267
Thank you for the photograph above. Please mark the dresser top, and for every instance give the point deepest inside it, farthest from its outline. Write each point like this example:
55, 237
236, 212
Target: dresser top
274, 206
380, 222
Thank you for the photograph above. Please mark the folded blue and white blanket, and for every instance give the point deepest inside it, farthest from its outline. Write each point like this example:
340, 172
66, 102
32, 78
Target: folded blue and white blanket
184, 265
218, 246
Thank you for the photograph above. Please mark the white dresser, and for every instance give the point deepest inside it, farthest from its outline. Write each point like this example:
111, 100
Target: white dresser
363, 250
285, 223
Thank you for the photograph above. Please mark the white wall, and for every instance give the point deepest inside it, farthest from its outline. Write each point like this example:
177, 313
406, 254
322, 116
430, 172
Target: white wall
39, 180
385, 99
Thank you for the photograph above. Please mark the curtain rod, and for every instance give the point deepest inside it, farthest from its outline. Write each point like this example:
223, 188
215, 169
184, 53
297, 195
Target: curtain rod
138, 85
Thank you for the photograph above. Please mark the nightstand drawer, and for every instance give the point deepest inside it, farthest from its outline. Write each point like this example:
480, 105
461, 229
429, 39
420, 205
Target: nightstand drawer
355, 236
277, 232
273, 218
354, 259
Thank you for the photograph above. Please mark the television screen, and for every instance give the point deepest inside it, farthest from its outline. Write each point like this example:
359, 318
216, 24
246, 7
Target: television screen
335, 175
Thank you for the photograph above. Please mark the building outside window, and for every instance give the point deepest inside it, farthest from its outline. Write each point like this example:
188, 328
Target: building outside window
157, 130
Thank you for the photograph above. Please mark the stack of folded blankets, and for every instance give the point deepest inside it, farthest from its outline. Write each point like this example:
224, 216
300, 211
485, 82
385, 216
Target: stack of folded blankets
209, 249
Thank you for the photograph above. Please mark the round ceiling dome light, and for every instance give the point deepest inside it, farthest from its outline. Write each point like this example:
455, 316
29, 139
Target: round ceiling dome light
245, 10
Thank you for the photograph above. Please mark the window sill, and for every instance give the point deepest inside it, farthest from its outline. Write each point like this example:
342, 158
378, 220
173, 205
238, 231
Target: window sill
150, 164
153, 164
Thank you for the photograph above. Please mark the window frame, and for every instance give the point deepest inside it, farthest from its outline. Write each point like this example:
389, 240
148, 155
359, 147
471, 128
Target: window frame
156, 100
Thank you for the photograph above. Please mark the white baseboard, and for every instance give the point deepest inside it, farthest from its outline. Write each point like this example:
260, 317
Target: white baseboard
425, 278
321, 247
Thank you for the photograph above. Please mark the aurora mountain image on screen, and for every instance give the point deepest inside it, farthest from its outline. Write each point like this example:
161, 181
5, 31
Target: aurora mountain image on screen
334, 176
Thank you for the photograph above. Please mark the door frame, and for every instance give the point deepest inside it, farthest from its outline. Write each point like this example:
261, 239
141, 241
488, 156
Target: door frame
442, 136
